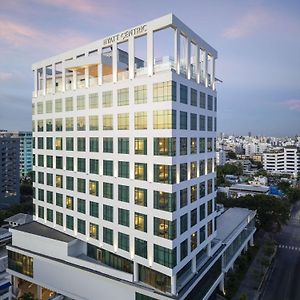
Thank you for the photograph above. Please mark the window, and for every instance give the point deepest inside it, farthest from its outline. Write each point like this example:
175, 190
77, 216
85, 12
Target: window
209, 102
123, 97
81, 144
49, 197
107, 99
80, 102
202, 234
59, 219
140, 247
193, 169
80, 123
40, 125
202, 100
94, 209
202, 123
183, 120
49, 161
81, 164
69, 144
49, 215
94, 188
69, 104
194, 241
93, 100
40, 160
49, 142
202, 167
193, 97
69, 124
140, 120
209, 165
58, 105
164, 228
123, 169
216, 103
48, 107
193, 145
140, 145
123, 217
94, 125
209, 228
140, 94
165, 256
193, 217
70, 183
164, 119
59, 181
108, 213
108, 189
81, 205
108, 122
41, 177
183, 146
40, 143
70, 222
140, 196
193, 122
94, 166
202, 212
183, 172
183, 249
94, 231
165, 174
194, 193
108, 145
108, 236
183, 223
58, 124
81, 226
140, 171
123, 241
183, 94
165, 146
164, 201
108, 167
140, 222
81, 185
183, 198
209, 123
123, 121
123, 193
123, 145
40, 107
164, 91
59, 162
201, 145
202, 189
94, 144
59, 199
20, 263
49, 125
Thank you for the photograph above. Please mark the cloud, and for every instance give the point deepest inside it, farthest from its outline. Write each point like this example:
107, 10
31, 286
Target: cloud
5, 76
293, 104
248, 24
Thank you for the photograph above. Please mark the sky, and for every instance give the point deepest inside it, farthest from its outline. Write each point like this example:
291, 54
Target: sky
258, 44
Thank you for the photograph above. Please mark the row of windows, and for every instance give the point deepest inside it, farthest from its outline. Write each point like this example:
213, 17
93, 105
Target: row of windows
162, 91
162, 119
162, 255
161, 146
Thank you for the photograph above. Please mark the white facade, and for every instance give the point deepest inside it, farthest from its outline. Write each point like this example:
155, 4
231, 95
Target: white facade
221, 157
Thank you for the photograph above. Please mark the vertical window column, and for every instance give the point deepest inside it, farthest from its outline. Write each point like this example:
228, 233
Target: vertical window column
150, 52
177, 50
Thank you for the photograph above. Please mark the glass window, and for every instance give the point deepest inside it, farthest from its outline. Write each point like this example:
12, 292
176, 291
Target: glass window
69, 104
194, 241
20, 263
59, 219
123, 169
49, 196
140, 145
201, 145
202, 100
140, 171
58, 124
140, 196
183, 146
81, 205
194, 192
108, 145
193, 145
183, 223
108, 213
183, 249
48, 107
140, 222
69, 144
202, 189
94, 166
140, 94
81, 165
80, 102
94, 209
107, 99
183, 120
164, 119
164, 201
123, 97
123, 121
108, 167
216, 103
81, 144
140, 247
70, 222
93, 100
108, 236
164, 91
59, 199
69, 124
40, 107
183, 94
202, 234
81, 226
123, 145
81, 185
202, 167
193, 169
59, 181
183, 172
59, 162
209, 165
202, 212
209, 102
209, 207
165, 173
193, 217
94, 188
165, 256
165, 146
40, 143
58, 105
140, 120
94, 124
209, 186
123, 217
209, 123
49, 215
40, 125
164, 228
123, 241
70, 183
94, 231
94, 144
49, 125
108, 122
193, 97
183, 198
193, 122
108, 189
80, 123
123, 193
202, 123
209, 228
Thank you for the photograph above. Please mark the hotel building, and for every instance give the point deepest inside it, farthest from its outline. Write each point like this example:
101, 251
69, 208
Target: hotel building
124, 163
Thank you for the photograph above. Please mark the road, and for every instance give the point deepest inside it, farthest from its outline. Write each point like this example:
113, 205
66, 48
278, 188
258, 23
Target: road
283, 282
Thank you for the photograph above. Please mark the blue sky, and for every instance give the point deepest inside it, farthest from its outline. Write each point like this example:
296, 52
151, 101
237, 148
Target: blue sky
258, 44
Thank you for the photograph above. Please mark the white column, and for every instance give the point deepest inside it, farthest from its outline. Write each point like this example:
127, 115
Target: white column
150, 54
205, 68
131, 55
86, 77
177, 50
222, 285
197, 64
44, 81
115, 62
213, 71
188, 58
194, 264
39, 292
35, 80
135, 271
173, 285
209, 249
100, 67
53, 78
74, 79
63, 77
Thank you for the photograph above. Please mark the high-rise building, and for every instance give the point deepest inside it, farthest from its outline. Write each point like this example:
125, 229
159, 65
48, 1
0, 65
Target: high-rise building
124, 163
9, 170
25, 152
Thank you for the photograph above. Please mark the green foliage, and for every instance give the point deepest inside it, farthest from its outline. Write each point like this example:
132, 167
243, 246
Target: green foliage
228, 169
25, 207
261, 172
26, 189
231, 155
271, 211
27, 296
293, 194
283, 186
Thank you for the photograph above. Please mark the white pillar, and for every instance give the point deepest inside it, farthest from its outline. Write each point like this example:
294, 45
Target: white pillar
197, 64
115, 61
135, 271
53, 78
44, 80
131, 55
100, 67
63, 77
194, 264
74, 79
188, 58
173, 285
205, 68
150, 54
177, 50
209, 249
222, 285
213, 70
86, 77
39, 292
35, 80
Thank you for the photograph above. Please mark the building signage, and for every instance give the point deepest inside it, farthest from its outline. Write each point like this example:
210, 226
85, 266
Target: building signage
125, 35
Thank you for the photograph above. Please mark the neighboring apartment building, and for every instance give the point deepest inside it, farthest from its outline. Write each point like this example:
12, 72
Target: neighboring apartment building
285, 160
9, 170
124, 162
25, 152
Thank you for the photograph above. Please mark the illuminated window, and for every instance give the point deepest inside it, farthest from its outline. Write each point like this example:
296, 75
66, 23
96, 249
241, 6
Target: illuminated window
93, 100
58, 124
107, 99
140, 196
80, 102
93, 188
140, 145
94, 231
140, 94
69, 104
58, 105
164, 91
140, 171
108, 122
164, 201
194, 241
164, 119
123, 121
123, 97
140, 222
58, 144
140, 120
193, 193
93, 122
59, 181
165, 146
80, 123
165, 174
193, 170
164, 228
69, 124
193, 145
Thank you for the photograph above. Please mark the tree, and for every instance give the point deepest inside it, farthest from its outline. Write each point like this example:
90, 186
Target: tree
283, 186
271, 212
293, 195
231, 155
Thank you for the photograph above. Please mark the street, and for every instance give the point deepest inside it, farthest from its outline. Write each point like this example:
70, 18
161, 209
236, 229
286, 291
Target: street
283, 282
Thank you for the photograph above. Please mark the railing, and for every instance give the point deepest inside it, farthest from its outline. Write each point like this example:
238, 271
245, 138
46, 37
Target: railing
163, 64
107, 78
123, 75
